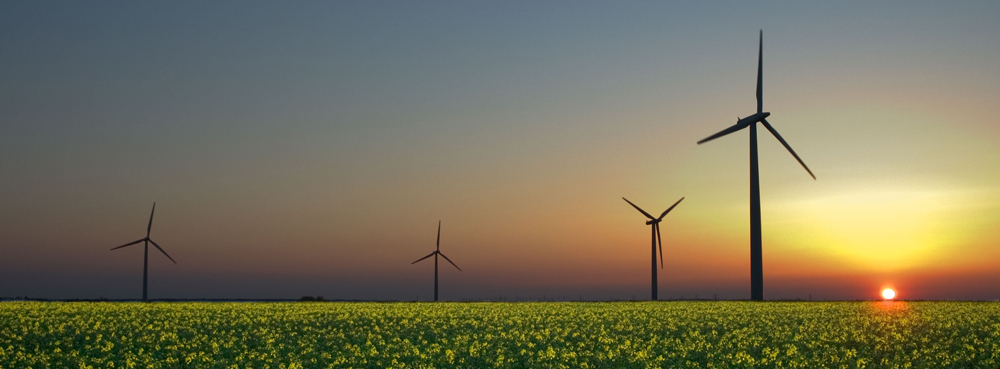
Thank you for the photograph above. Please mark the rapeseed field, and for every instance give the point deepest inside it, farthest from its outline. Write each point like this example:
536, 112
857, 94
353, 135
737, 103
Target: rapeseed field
488, 334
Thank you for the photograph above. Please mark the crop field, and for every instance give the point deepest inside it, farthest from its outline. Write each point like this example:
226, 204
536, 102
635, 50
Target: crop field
525, 335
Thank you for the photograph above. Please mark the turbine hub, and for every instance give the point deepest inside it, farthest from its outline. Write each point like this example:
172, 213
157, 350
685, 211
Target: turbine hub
652, 221
751, 119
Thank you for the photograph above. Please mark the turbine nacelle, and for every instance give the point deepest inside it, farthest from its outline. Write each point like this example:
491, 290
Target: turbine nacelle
653, 221
753, 118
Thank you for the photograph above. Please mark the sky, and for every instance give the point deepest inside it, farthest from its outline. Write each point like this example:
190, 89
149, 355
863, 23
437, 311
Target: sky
311, 148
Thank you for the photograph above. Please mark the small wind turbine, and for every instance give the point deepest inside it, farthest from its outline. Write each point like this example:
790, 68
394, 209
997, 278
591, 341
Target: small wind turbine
756, 261
145, 253
435, 255
655, 222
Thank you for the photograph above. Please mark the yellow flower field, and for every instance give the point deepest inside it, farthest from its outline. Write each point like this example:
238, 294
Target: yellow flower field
488, 334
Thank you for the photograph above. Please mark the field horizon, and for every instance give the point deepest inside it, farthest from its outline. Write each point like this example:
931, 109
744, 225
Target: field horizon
522, 300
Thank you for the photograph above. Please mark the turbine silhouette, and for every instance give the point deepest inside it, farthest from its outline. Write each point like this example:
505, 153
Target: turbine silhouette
756, 263
655, 222
145, 253
435, 255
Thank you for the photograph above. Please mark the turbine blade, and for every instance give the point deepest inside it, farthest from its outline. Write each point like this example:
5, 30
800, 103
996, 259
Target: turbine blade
129, 244
439, 236
660, 241
736, 127
639, 209
449, 260
428, 255
670, 208
150, 226
782, 140
161, 250
760, 63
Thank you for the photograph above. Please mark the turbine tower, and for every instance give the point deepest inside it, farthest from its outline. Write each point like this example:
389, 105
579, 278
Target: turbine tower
756, 261
435, 255
145, 253
655, 223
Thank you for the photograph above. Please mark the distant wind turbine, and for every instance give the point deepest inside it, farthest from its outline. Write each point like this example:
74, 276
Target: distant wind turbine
145, 253
435, 255
655, 222
756, 263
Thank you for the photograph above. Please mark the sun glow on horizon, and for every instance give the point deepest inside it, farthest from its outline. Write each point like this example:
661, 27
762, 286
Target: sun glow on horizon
888, 293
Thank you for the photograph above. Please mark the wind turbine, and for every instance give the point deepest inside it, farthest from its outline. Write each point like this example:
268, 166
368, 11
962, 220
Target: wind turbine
655, 222
756, 263
435, 255
145, 253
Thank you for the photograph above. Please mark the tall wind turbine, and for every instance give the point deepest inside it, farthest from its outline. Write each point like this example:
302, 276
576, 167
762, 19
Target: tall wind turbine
145, 253
435, 255
756, 263
655, 222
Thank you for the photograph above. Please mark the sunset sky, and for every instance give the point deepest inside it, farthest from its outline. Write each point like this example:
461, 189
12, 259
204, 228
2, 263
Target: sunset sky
310, 148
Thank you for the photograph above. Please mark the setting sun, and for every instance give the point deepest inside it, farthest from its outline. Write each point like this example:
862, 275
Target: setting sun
888, 293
